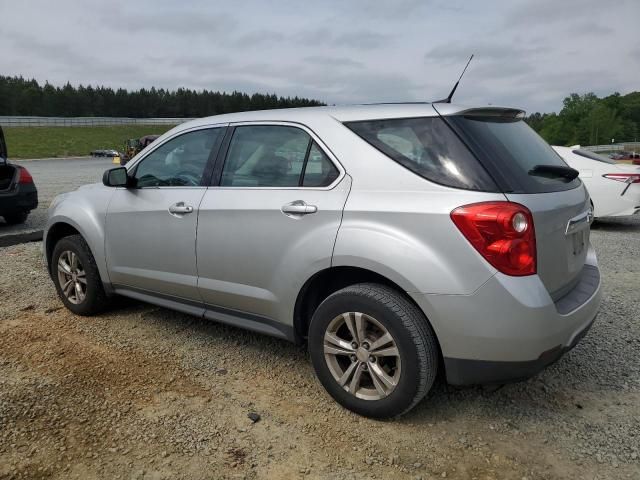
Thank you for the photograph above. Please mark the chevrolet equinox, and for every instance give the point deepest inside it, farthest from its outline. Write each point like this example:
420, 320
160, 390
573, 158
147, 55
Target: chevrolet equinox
396, 240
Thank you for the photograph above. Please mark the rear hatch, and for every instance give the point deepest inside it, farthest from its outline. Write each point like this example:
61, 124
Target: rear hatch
7, 172
7, 175
528, 171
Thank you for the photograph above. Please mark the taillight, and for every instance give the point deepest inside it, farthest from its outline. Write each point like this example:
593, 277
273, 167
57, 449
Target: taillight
503, 234
623, 177
25, 176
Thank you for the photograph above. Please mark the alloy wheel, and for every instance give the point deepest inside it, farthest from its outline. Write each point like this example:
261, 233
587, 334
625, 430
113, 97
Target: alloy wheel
72, 277
362, 356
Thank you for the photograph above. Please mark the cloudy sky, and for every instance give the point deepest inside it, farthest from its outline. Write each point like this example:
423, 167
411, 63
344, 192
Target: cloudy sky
529, 53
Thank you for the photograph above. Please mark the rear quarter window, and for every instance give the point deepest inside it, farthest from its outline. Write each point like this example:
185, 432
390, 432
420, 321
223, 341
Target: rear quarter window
428, 147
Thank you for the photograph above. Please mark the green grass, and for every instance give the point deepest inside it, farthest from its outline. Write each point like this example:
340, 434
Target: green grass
45, 142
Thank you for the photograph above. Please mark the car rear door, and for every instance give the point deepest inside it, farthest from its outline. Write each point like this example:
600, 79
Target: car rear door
151, 227
269, 222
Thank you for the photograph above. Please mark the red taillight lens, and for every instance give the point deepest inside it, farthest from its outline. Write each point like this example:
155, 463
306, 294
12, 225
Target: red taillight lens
25, 176
623, 177
503, 234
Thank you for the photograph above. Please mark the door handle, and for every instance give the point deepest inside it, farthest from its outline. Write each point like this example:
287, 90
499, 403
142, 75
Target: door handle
180, 209
298, 207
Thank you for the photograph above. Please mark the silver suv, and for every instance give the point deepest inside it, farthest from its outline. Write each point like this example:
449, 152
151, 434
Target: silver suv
395, 240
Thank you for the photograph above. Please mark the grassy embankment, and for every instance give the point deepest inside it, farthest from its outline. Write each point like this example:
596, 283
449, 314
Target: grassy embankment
45, 142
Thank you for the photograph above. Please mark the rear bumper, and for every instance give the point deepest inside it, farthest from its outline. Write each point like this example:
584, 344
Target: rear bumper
510, 328
24, 199
470, 372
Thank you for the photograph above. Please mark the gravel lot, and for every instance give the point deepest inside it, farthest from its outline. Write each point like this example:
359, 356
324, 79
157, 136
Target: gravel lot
53, 176
143, 392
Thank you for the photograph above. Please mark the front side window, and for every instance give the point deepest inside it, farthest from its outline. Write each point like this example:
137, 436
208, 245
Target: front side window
275, 156
180, 162
427, 147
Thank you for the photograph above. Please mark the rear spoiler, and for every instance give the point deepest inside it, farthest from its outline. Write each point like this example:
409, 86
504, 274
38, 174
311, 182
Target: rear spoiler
505, 112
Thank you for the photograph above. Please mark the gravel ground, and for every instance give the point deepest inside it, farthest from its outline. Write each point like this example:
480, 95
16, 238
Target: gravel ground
143, 392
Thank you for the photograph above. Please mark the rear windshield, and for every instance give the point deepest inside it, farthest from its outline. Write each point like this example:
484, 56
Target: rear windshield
429, 148
510, 150
593, 156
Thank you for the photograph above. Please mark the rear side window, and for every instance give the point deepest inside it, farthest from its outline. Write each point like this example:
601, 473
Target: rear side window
275, 156
318, 171
510, 150
429, 148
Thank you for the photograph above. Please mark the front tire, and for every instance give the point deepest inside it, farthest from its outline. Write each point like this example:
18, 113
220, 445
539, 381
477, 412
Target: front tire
373, 350
76, 276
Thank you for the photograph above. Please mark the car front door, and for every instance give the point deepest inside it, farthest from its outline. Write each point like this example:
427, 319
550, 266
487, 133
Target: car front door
268, 223
151, 227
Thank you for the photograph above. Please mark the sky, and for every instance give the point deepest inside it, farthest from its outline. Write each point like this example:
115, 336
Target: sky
528, 53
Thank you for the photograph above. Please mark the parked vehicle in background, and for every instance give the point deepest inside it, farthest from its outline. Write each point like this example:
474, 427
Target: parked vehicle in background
105, 153
614, 187
624, 156
396, 240
18, 193
133, 146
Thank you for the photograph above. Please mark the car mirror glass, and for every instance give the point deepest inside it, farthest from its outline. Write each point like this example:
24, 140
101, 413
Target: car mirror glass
115, 177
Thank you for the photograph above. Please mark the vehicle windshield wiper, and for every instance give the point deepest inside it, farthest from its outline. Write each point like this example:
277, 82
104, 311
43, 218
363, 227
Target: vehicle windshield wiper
554, 171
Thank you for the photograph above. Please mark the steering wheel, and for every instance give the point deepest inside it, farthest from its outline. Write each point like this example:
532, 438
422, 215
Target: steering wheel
191, 179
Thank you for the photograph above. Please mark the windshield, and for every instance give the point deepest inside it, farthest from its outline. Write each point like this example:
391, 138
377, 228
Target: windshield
511, 151
593, 156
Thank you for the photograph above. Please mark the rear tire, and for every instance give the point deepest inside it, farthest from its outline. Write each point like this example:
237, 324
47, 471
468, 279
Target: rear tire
16, 218
396, 358
76, 276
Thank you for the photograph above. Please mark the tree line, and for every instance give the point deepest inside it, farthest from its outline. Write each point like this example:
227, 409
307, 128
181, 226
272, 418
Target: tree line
590, 120
584, 119
20, 96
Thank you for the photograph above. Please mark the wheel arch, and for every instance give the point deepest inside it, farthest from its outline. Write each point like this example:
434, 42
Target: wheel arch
63, 227
56, 232
330, 280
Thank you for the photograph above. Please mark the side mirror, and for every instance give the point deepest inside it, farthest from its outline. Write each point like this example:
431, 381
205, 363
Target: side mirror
116, 177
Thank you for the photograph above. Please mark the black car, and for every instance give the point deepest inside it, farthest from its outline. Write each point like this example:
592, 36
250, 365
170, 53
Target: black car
18, 194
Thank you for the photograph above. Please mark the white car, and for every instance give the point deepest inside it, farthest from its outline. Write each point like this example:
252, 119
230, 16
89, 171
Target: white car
614, 188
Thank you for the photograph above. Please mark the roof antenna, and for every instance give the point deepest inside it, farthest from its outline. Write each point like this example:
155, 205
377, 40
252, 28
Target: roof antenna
453, 90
